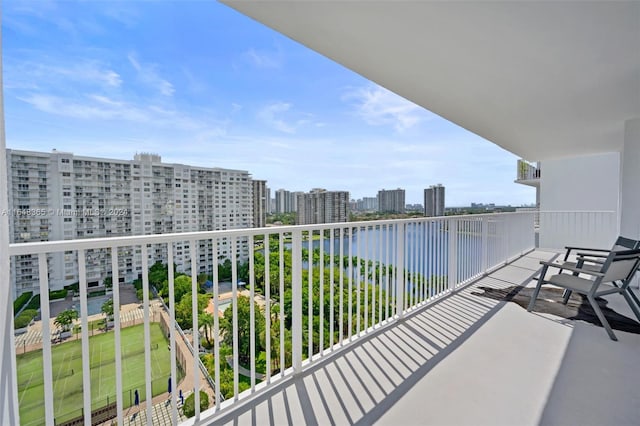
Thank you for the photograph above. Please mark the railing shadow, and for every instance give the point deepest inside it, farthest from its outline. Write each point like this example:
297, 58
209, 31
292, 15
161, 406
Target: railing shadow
365, 379
597, 382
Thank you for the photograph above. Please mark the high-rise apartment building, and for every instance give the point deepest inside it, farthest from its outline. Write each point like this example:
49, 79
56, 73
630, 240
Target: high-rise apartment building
268, 200
286, 201
367, 204
391, 201
260, 196
61, 196
322, 206
434, 200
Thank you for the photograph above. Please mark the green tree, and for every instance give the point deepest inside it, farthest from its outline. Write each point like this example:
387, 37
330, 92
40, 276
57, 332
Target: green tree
244, 327
158, 272
183, 309
205, 321
181, 286
107, 309
65, 319
189, 404
224, 270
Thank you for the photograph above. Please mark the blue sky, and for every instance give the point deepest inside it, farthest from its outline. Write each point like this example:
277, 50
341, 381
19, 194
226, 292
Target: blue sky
201, 84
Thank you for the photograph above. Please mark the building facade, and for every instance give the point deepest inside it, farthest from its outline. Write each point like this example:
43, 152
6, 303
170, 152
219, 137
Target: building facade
61, 196
434, 200
286, 201
322, 206
260, 196
391, 201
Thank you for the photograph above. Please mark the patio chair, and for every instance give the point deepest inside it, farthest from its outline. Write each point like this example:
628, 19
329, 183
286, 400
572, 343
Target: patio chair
618, 266
593, 258
622, 243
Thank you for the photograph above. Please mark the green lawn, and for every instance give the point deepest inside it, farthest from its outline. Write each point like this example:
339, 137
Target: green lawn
67, 374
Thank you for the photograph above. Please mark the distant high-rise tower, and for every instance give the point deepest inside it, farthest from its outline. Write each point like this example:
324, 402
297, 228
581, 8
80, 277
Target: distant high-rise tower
286, 201
391, 201
322, 206
260, 202
434, 200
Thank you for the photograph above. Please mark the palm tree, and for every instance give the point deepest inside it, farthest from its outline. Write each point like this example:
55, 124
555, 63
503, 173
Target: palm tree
107, 310
65, 319
206, 321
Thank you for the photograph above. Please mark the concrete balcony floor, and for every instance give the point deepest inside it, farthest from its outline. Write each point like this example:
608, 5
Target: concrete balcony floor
466, 360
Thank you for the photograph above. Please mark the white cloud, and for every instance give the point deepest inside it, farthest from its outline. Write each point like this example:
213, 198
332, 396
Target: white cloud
59, 74
264, 58
378, 106
271, 115
282, 117
95, 107
99, 107
148, 75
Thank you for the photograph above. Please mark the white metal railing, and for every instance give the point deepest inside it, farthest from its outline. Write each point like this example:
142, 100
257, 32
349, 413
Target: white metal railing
577, 228
318, 288
535, 210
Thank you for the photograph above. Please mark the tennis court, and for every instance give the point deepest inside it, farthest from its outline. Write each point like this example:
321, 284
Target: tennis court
67, 374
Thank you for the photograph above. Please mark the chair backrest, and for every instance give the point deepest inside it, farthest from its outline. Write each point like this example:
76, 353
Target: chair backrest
620, 265
624, 243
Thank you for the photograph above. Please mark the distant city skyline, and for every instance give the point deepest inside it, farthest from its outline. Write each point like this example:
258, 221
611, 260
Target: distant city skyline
200, 84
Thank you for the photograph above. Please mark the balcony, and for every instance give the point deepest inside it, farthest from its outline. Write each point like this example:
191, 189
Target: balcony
528, 174
401, 319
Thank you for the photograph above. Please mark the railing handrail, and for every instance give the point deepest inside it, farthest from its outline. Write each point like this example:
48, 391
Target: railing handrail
16, 249
577, 211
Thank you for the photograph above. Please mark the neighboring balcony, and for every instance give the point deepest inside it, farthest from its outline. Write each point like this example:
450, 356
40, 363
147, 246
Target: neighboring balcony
324, 324
528, 174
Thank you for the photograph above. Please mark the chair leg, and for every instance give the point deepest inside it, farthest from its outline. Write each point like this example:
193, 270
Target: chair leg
566, 296
634, 297
628, 297
534, 296
601, 317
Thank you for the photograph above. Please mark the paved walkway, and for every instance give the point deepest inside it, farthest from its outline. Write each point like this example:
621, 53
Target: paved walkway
161, 413
245, 371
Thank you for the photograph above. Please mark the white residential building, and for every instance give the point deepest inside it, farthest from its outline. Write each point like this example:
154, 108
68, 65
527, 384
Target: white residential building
286, 201
61, 196
391, 200
322, 206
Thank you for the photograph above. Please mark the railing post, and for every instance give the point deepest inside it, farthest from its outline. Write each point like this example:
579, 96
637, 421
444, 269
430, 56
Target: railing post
9, 413
452, 270
400, 269
485, 244
296, 300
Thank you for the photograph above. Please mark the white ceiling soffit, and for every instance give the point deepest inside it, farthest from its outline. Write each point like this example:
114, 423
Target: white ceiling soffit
540, 79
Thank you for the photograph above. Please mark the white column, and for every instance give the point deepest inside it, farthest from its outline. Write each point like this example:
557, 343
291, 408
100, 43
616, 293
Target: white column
8, 380
630, 181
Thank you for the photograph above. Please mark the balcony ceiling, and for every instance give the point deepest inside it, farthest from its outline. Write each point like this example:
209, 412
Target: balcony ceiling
540, 79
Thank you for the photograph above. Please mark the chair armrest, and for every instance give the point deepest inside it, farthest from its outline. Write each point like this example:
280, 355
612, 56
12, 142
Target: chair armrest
572, 269
591, 258
586, 248
582, 249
